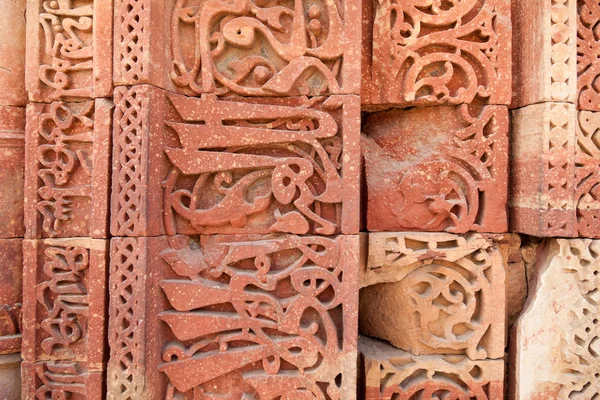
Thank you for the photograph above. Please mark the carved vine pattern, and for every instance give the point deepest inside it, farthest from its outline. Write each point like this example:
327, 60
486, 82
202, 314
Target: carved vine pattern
258, 47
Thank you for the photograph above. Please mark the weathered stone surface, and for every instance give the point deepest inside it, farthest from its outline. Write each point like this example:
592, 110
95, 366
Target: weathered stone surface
545, 51
64, 302
588, 52
204, 165
69, 49
11, 296
437, 169
555, 171
436, 293
12, 54
10, 377
554, 343
61, 380
522, 253
68, 169
247, 48
12, 158
390, 373
428, 53
233, 316
543, 170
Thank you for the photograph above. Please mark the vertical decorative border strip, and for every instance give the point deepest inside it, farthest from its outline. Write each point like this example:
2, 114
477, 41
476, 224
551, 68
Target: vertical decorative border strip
128, 197
131, 41
127, 317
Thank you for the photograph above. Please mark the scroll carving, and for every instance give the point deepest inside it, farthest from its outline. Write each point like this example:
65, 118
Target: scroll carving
429, 53
258, 48
441, 288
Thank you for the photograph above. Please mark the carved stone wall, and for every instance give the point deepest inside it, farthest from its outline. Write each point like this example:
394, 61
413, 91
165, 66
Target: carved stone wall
209, 199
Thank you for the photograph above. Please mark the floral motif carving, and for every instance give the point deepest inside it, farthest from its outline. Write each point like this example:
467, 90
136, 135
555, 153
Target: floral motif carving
441, 287
394, 374
264, 48
428, 52
457, 182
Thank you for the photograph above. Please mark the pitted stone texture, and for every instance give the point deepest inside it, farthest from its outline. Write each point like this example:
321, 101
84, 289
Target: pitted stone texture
11, 296
436, 293
233, 316
437, 169
204, 165
61, 380
554, 343
64, 301
433, 53
392, 374
12, 54
69, 49
244, 47
12, 174
10, 377
68, 169
544, 51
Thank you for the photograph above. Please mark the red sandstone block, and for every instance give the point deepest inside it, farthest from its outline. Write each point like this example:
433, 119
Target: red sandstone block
11, 295
12, 157
204, 165
233, 316
555, 180
436, 52
61, 380
64, 301
68, 169
390, 373
436, 293
437, 169
12, 53
244, 47
545, 51
69, 49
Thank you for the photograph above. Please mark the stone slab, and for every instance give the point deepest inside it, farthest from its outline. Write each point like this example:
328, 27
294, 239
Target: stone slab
258, 165
436, 293
233, 316
437, 169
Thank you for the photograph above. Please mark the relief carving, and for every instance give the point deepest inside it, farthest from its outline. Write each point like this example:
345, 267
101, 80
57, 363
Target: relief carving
447, 293
429, 53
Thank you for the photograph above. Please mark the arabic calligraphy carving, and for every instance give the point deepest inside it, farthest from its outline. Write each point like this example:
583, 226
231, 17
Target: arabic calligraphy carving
74, 57
281, 164
267, 317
